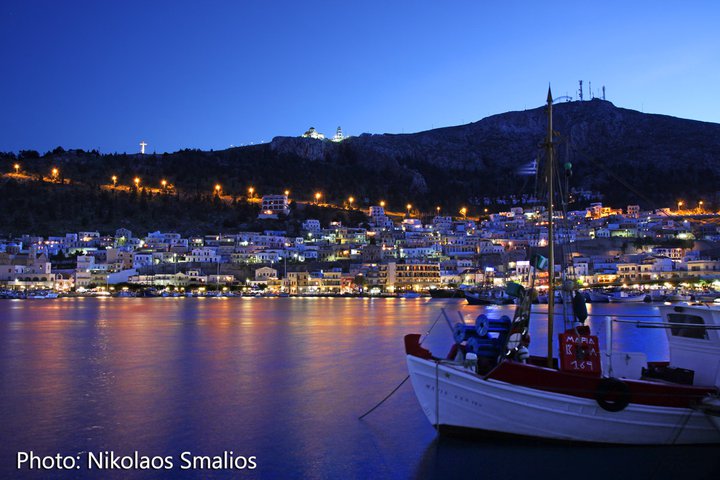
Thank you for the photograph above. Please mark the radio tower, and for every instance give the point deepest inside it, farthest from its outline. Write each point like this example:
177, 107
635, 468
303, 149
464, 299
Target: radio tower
603, 92
581, 91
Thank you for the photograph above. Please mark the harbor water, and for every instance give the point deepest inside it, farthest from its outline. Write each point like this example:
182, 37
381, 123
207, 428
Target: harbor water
282, 380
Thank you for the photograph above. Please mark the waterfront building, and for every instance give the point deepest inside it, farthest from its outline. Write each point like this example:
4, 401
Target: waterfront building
413, 276
23, 272
297, 282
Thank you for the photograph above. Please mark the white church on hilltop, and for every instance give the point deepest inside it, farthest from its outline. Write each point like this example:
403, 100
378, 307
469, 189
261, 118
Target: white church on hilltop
313, 133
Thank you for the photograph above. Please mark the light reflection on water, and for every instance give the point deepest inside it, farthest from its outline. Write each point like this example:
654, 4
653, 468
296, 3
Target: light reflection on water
283, 379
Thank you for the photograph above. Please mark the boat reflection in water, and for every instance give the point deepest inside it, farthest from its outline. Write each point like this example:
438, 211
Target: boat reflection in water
447, 457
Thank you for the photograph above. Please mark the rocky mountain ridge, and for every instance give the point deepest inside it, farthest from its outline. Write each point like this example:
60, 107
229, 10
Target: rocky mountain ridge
598, 138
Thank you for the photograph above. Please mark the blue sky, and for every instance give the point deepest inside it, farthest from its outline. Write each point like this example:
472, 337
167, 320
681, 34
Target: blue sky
210, 74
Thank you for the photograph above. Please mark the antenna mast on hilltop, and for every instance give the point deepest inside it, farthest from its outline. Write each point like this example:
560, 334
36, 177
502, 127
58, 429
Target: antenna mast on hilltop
581, 97
590, 89
603, 92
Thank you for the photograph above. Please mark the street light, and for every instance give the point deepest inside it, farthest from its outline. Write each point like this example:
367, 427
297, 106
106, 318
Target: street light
437, 209
700, 204
409, 207
463, 212
350, 201
163, 182
317, 197
114, 180
218, 188
251, 192
136, 181
680, 204
55, 173
17, 168
382, 203
287, 193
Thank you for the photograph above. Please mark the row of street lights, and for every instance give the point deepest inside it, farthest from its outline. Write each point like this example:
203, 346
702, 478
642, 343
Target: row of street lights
54, 173
164, 185
680, 203
251, 192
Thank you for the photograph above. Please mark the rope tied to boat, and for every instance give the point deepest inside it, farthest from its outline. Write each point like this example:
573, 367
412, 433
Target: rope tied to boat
437, 395
442, 313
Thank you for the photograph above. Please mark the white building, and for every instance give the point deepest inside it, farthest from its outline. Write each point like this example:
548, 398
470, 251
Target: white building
311, 225
272, 205
312, 133
339, 137
205, 254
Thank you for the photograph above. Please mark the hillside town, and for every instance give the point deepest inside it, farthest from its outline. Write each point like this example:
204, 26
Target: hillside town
603, 245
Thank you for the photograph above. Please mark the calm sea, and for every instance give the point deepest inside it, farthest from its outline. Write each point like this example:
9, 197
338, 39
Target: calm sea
280, 379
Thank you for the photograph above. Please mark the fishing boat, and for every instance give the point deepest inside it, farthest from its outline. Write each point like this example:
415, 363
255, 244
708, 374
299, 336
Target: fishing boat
597, 296
486, 380
446, 293
677, 296
627, 297
41, 295
410, 295
494, 296
707, 296
657, 295
575, 399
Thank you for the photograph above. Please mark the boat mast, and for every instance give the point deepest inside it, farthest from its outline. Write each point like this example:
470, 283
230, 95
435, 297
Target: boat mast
551, 233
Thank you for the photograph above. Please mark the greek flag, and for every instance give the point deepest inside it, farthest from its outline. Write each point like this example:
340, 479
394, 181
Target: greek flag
528, 168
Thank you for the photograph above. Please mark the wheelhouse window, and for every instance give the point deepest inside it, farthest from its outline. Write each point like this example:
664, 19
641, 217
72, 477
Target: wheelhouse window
695, 326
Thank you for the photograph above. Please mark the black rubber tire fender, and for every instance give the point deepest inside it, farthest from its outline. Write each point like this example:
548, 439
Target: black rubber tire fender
612, 394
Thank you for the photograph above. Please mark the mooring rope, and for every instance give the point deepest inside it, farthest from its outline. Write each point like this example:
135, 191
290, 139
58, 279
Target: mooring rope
437, 395
383, 400
442, 313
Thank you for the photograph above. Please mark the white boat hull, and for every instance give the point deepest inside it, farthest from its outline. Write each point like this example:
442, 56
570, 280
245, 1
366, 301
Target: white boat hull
628, 299
453, 396
598, 297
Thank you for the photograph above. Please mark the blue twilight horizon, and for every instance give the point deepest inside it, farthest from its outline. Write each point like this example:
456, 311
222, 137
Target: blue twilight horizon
210, 75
